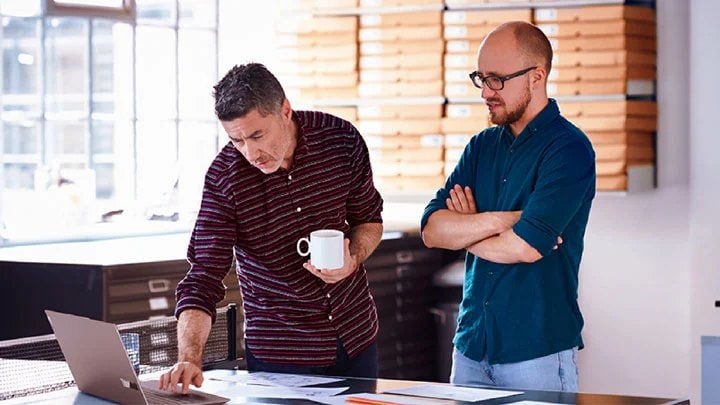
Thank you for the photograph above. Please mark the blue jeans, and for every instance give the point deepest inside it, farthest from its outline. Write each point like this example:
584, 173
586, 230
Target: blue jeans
365, 364
554, 372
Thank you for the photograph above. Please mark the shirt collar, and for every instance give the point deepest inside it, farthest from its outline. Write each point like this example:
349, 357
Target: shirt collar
301, 147
546, 116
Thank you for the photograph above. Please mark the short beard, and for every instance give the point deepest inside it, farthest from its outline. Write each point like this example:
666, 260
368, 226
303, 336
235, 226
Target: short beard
515, 114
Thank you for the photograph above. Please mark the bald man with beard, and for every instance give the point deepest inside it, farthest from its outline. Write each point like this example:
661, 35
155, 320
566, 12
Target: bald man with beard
518, 203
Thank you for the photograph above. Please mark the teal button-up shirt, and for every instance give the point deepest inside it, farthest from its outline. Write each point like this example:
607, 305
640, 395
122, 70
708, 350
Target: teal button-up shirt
517, 312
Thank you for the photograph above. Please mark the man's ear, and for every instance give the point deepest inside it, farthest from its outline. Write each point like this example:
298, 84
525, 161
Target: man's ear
286, 109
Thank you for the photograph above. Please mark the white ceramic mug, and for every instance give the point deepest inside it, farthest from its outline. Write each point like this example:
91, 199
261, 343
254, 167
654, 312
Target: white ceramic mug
325, 247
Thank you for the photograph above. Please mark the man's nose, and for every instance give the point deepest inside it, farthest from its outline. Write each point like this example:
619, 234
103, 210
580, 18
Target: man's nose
487, 92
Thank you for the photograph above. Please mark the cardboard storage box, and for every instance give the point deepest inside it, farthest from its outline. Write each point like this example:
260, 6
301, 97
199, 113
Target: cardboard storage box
422, 155
401, 19
409, 183
610, 168
604, 58
402, 61
598, 28
604, 43
472, 32
401, 47
346, 113
457, 140
600, 73
462, 90
318, 53
466, 46
312, 93
312, 40
401, 33
635, 138
419, 76
393, 3
335, 66
602, 108
348, 79
475, 110
612, 183
486, 17
317, 25
595, 13
400, 111
463, 125
467, 61
616, 123
401, 89
398, 127
404, 141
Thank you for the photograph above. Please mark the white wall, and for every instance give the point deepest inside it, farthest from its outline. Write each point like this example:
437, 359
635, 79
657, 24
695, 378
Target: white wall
704, 258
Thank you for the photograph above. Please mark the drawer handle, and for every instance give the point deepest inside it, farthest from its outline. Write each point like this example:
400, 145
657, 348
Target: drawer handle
156, 286
404, 256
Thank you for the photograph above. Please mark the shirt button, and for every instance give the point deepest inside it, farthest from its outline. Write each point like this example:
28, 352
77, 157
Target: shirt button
487, 303
298, 209
330, 317
328, 295
512, 150
504, 181
289, 176
490, 273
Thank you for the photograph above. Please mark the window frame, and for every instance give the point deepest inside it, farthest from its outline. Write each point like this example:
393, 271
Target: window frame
126, 12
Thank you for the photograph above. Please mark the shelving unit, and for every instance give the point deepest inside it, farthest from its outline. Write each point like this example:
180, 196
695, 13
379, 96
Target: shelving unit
603, 77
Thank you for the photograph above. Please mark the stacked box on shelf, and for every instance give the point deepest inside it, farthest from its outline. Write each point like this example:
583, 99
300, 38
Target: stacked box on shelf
406, 148
606, 49
622, 133
401, 91
460, 124
464, 31
317, 57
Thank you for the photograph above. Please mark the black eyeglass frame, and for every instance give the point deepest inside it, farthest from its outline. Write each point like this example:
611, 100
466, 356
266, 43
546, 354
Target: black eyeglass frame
483, 80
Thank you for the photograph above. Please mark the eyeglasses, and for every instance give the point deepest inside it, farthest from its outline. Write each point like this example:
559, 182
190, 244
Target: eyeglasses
494, 82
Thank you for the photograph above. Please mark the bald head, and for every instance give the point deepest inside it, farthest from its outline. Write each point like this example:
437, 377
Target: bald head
528, 40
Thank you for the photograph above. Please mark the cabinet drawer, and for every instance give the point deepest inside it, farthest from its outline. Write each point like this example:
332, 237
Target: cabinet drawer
142, 308
142, 288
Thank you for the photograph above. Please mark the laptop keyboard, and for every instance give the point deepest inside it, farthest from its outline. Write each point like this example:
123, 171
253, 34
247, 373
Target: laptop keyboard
163, 398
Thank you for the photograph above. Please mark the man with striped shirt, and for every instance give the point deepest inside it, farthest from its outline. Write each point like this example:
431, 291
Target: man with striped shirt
283, 174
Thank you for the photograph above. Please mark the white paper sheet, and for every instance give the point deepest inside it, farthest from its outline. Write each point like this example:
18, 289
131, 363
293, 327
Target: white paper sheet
276, 379
261, 391
452, 392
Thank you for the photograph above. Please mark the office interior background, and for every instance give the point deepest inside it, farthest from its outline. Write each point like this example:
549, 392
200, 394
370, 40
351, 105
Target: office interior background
106, 115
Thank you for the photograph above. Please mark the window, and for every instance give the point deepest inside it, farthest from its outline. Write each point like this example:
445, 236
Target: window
104, 105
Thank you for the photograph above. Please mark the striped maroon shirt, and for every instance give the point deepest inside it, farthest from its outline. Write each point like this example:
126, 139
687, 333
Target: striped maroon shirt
291, 316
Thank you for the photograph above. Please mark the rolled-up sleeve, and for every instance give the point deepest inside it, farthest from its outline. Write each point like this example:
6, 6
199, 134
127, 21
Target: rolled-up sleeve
566, 181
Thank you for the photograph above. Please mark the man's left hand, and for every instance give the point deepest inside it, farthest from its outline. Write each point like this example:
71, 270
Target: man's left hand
332, 276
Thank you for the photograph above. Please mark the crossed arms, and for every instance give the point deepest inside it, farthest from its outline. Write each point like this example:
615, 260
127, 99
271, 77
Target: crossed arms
487, 235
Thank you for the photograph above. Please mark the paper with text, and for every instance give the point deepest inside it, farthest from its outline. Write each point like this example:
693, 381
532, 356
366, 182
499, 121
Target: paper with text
452, 392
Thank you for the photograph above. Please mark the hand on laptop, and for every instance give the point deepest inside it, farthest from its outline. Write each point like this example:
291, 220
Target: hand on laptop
183, 372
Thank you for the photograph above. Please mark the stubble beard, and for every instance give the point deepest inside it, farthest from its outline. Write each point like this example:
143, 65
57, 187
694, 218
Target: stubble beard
514, 114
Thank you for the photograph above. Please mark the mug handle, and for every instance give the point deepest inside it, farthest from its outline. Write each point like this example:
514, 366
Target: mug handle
297, 246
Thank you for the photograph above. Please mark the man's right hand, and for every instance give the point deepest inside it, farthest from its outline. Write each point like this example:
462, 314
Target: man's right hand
184, 373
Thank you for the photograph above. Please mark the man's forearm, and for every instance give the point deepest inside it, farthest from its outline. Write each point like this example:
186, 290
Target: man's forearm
451, 230
193, 329
364, 238
505, 248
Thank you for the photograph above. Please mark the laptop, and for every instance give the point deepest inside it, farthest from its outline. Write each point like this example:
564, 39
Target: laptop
101, 367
